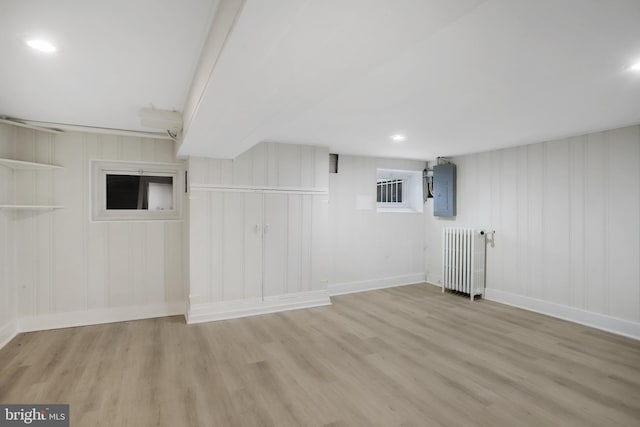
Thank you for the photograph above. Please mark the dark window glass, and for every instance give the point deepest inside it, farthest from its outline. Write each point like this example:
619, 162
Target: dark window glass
138, 191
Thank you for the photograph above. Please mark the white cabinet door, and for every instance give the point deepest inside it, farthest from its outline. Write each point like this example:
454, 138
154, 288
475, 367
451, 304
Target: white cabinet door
275, 244
295, 243
241, 265
199, 248
233, 229
251, 245
253, 206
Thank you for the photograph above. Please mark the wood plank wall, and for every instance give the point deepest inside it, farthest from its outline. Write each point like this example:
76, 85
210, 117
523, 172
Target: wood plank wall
567, 215
64, 262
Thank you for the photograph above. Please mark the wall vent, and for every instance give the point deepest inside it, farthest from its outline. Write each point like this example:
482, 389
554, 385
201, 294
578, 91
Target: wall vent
333, 163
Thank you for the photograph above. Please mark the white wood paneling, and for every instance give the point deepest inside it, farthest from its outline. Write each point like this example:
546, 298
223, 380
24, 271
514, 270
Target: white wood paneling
267, 164
66, 264
577, 214
265, 216
276, 244
522, 197
306, 240
596, 225
623, 216
294, 246
259, 165
253, 248
212, 229
233, 262
201, 282
535, 236
555, 222
289, 165
68, 229
59, 269
8, 314
308, 160
508, 205
244, 242
567, 221
319, 242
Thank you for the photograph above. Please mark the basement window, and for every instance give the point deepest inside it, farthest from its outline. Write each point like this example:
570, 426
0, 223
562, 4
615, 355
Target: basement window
398, 191
391, 192
136, 191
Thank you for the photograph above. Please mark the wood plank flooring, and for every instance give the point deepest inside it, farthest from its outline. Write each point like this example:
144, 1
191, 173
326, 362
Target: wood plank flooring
407, 356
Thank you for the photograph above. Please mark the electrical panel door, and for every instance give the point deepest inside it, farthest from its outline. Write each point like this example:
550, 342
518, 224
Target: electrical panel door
444, 190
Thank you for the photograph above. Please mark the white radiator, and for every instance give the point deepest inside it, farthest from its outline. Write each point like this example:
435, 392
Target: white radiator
463, 260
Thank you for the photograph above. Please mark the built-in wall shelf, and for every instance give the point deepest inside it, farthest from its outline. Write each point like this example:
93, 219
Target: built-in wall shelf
31, 207
22, 165
29, 166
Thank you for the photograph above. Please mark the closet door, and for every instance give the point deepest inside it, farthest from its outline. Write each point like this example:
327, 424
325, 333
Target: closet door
241, 246
295, 243
276, 220
253, 228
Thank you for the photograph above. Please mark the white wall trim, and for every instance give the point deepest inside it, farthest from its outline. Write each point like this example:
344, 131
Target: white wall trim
7, 333
373, 284
99, 316
199, 313
259, 188
611, 324
437, 285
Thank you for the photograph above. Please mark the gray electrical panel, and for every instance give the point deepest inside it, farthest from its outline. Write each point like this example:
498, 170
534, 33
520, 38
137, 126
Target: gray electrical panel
444, 190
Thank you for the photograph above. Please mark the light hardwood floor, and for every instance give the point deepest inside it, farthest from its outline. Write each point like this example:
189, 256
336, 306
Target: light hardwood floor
407, 356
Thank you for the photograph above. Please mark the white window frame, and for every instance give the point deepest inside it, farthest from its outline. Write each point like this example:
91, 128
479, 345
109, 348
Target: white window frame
412, 201
385, 182
101, 168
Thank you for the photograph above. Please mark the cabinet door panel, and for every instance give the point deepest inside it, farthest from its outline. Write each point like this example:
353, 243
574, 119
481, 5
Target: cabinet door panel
253, 245
319, 242
275, 244
294, 243
233, 243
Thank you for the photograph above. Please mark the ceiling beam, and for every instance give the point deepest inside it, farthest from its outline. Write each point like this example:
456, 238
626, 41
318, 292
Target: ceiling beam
223, 22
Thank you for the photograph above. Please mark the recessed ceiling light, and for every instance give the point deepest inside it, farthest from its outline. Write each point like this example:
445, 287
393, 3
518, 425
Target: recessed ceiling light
41, 45
398, 137
635, 67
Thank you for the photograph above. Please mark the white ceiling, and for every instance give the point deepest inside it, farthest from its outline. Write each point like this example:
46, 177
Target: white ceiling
114, 57
456, 76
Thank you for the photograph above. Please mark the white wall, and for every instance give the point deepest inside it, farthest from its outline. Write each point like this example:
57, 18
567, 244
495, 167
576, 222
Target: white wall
567, 221
71, 271
7, 240
371, 249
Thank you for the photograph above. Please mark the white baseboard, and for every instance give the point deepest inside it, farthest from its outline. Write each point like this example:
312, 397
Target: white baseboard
437, 285
199, 313
7, 333
370, 285
611, 324
434, 279
99, 316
